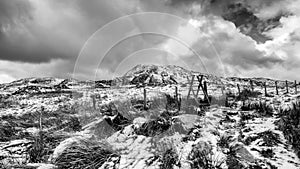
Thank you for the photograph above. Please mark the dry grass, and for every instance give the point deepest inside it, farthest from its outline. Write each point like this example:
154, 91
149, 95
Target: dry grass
85, 155
246, 94
168, 159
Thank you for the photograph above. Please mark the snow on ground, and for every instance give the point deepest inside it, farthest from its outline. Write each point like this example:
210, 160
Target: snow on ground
137, 150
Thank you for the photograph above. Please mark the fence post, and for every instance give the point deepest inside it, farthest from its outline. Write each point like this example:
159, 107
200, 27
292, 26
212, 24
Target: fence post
205, 90
251, 84
176, 92
239, 90
287, 86
223, 89
265, 85
94, 102
145, 99
295, 86
276, 86
191, 86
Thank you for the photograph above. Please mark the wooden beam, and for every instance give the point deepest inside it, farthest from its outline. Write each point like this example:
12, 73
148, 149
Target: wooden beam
265, 86
239, 90
191, 85
251, 85
145, 99
295, 86
287, 86
276, 86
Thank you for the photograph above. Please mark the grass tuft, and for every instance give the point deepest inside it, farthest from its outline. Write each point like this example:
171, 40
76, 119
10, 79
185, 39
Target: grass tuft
86, 154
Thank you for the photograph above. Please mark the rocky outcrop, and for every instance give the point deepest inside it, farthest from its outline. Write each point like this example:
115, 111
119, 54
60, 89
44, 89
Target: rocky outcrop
154, 75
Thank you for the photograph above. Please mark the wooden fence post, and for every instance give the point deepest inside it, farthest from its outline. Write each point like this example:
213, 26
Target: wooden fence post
94, 102
191, 86
251, 85
223, 89
176, 92
200, 84
145, 99
265, 85
205, 90
295, 86
287, 86
276, 86
239, 90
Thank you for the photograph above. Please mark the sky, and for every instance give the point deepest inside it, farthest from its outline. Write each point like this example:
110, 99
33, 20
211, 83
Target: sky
100, 39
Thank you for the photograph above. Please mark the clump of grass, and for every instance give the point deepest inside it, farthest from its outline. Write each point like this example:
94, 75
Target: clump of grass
261, 108
169, 159
158, 103
268, 153
289, 124
264, 109
245, 116
246, 94
165, 153
220, 101
193, 134
232, 160
189, 106
43, 146
173, 103
201, 157
7, 131
86, 154
74, 124
37, 152
269, 138
154, 127
224, 141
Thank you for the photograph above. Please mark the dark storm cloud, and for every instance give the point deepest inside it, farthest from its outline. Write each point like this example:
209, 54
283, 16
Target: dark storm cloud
24, 38
39, 31
13, 11
52, 32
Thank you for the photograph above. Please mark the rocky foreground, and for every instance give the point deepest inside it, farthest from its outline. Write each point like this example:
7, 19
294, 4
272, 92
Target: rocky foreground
65, 123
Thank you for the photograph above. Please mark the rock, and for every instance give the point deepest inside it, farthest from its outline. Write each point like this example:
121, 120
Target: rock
118, 122
243, 153
99, 128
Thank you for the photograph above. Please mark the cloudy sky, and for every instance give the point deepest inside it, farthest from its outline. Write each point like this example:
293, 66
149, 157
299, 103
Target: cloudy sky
104, 38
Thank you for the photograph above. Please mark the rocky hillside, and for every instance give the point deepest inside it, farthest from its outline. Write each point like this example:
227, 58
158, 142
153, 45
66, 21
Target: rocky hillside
66, 123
